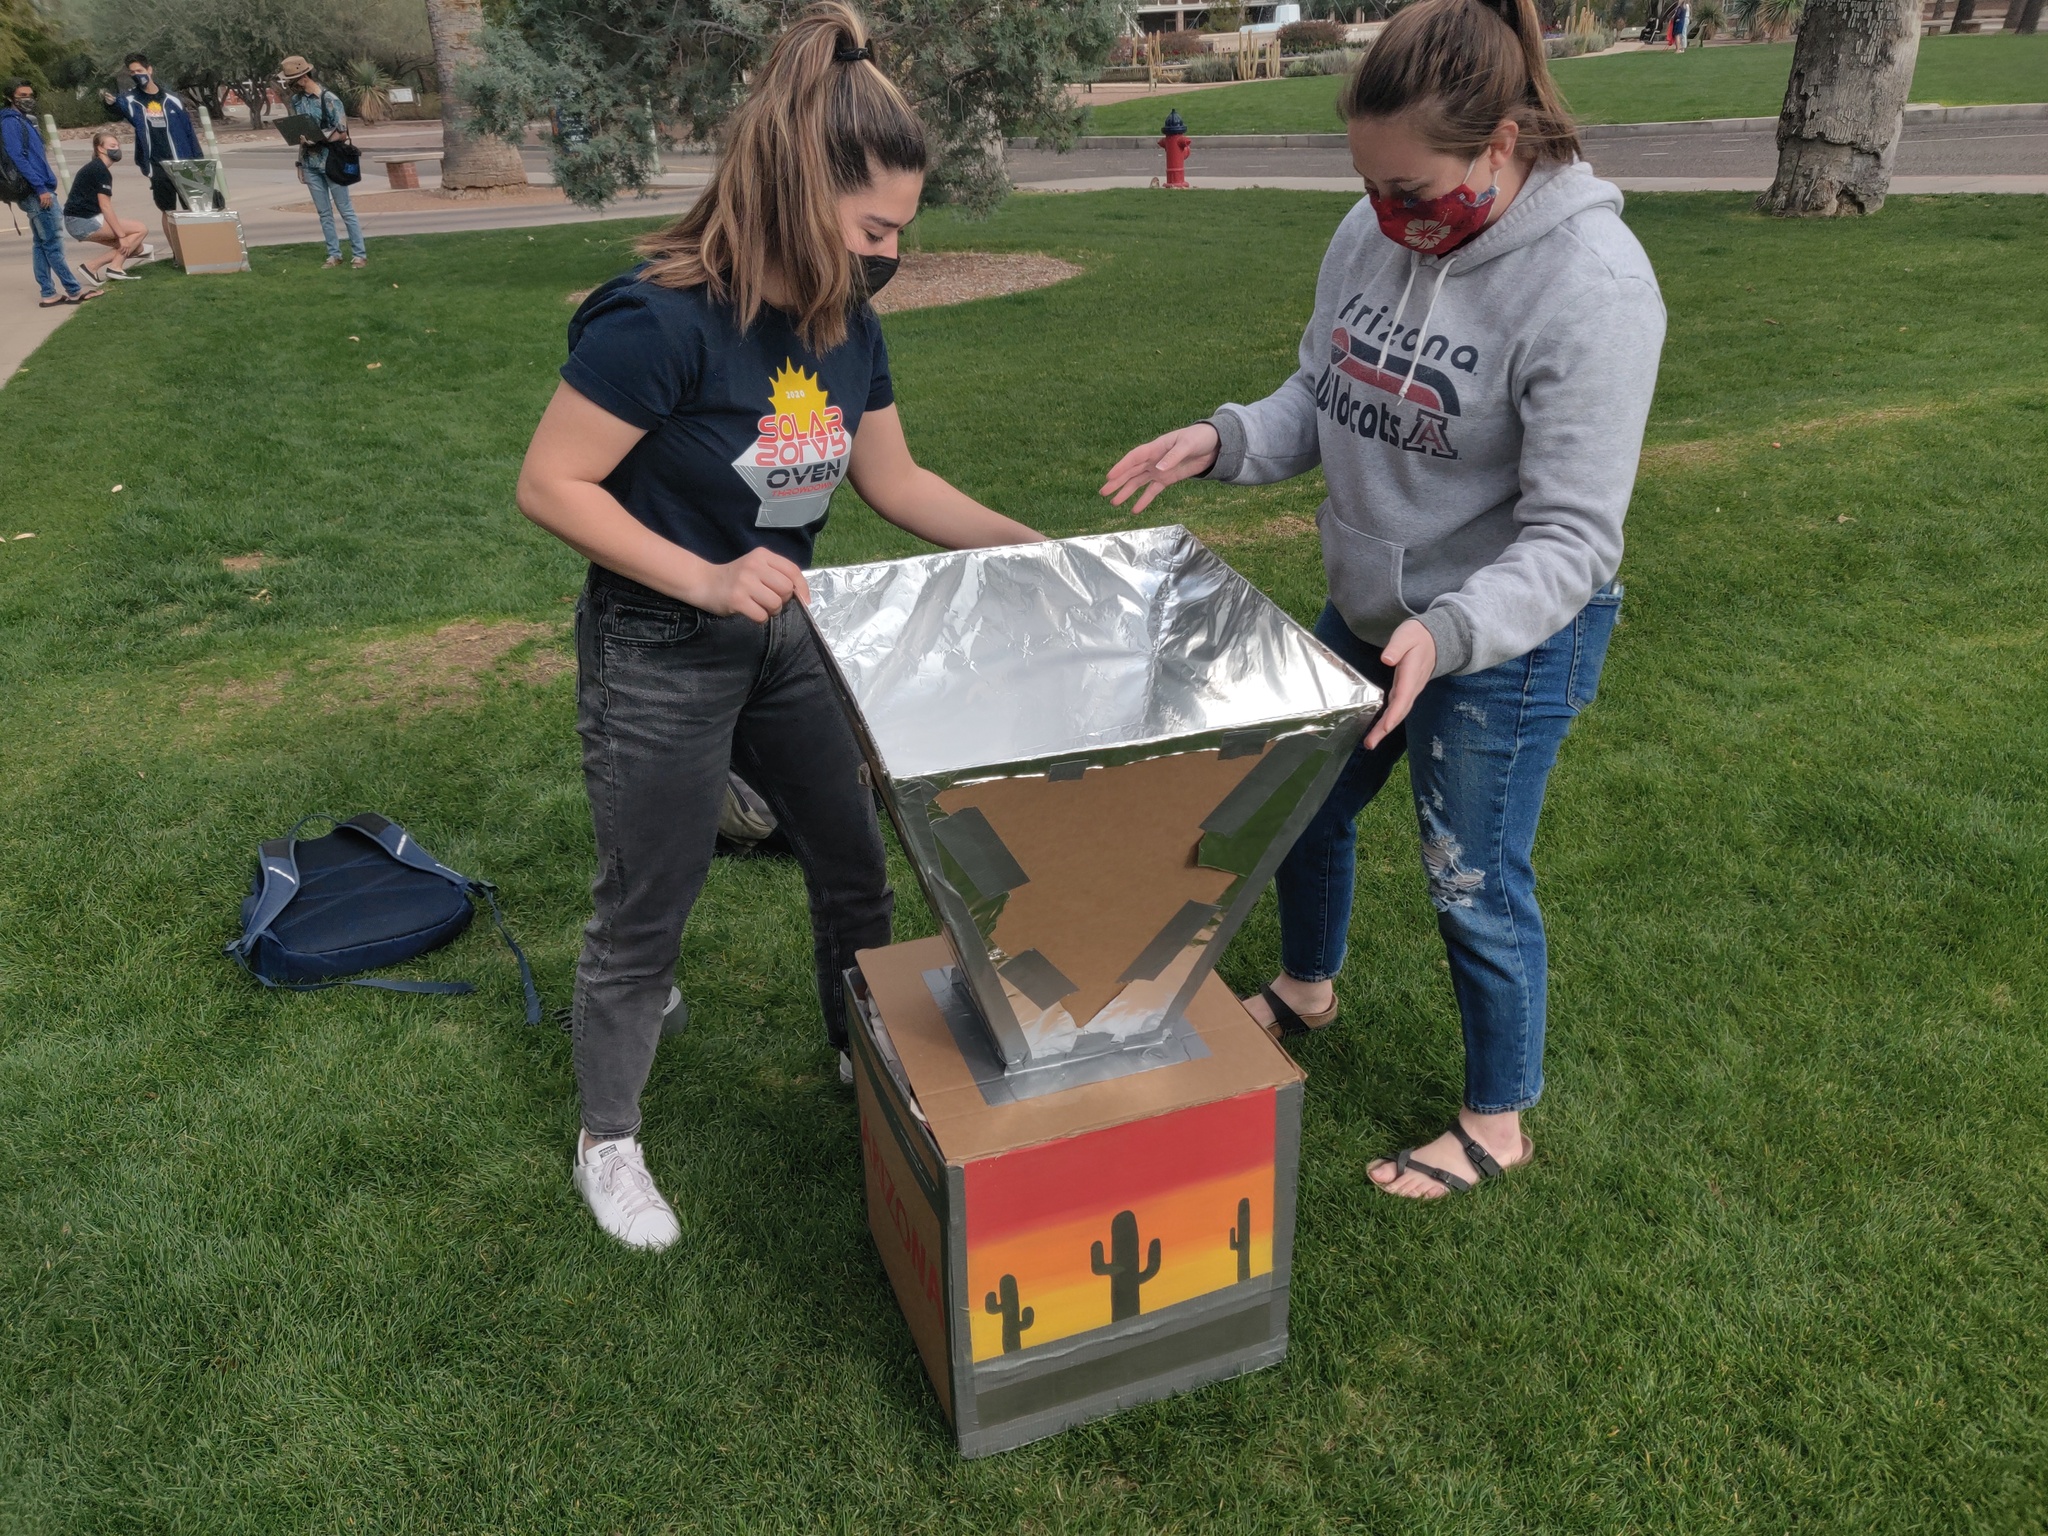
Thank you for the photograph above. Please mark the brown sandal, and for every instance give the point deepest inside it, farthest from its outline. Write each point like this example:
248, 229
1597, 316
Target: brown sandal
1288, 1025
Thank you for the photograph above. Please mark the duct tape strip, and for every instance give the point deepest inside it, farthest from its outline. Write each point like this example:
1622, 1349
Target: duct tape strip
1177, 935
1095, 1058
1038, 978
1259, 786
979, 852
1067, 772
1242, 744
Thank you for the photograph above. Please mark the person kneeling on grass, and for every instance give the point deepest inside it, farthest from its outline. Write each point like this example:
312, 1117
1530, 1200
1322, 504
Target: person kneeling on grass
1474, 383
713, 399
89, 214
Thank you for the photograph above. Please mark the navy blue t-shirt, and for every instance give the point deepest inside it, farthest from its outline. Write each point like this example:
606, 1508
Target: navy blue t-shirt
747, 435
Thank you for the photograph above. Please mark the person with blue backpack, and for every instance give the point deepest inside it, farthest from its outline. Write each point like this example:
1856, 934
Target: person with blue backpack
31, 183
307, 97
713, 400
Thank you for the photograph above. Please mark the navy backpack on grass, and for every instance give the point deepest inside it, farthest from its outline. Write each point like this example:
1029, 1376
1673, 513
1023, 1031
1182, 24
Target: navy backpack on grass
366, 895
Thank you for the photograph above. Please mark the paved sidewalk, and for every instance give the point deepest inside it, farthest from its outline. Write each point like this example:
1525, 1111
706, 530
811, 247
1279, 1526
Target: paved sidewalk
276, 209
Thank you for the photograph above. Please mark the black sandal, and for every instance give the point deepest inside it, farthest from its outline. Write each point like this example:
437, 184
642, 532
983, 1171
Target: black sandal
1287, 1024
1488, 1165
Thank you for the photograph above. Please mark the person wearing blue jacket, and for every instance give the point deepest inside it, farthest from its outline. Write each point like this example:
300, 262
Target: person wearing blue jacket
24, 144
163, 131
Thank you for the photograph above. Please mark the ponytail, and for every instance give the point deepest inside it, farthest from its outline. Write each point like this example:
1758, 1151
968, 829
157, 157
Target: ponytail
1461, 67
820, 120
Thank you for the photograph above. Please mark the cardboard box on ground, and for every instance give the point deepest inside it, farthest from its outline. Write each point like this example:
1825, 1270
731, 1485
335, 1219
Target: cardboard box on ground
1080, 1150
208, 242
1066, 1256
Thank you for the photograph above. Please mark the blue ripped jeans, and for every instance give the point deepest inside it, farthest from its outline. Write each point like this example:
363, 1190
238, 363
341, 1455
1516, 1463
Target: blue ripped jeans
1486, 743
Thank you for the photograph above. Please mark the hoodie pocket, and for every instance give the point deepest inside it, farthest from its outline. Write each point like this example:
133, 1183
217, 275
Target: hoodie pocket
1365, 577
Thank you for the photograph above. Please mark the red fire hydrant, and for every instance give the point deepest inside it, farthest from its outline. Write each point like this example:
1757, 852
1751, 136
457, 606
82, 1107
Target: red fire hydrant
1178, 147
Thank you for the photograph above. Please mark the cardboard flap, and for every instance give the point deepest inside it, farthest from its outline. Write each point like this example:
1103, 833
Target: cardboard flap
1242, 1057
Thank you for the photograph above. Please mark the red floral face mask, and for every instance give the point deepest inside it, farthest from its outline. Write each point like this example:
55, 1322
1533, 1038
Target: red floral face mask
1435, 226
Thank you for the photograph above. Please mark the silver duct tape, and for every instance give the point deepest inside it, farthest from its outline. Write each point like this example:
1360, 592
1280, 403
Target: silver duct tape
1180, 931
1047, 662
979, 852
1037, 978
1259, 786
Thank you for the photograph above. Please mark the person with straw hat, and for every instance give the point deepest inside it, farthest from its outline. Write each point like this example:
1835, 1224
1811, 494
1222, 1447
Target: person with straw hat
307, 97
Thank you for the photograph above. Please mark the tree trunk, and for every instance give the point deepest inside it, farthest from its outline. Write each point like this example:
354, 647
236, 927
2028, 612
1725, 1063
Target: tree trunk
2023, 16
1966, 12
1844, 105
470, 161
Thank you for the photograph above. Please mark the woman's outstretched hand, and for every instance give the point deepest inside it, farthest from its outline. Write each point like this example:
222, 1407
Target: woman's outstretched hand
1155, 465
1411, 652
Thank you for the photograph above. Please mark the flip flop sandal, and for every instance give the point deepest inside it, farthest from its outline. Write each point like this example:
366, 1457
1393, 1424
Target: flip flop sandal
1288, 1025
1488, 1165
51, 303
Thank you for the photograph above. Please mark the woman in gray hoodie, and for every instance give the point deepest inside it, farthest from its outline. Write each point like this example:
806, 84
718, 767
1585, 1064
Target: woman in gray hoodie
1474, 383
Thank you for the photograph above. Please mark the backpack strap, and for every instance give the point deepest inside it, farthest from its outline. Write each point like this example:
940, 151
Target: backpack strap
280, 883
397, 842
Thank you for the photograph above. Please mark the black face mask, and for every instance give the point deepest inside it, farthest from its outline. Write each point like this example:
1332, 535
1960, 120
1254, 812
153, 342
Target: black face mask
877, 270
141, 82
114, 154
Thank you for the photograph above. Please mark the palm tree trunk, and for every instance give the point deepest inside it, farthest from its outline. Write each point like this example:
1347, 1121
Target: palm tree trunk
1844, 105
470, 161
2023, 16
1966, 11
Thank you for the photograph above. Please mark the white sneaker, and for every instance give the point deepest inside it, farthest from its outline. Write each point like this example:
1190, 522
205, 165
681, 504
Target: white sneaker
613, 1179
845, 1070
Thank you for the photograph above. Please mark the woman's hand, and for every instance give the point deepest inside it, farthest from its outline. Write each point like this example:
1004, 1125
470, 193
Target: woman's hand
755, 586
1412, 654
1179, 455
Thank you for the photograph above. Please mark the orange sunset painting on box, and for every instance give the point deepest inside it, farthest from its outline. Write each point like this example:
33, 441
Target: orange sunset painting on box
1099, 1228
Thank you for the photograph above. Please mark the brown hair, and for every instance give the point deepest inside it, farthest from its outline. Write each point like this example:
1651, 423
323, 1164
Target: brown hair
1461, 67
820, 120
106, 136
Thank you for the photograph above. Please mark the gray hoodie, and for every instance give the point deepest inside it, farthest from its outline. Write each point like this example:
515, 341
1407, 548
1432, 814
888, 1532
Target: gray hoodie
1482, 486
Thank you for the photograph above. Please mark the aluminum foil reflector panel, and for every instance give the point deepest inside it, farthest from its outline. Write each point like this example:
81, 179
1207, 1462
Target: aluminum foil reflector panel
1096, 751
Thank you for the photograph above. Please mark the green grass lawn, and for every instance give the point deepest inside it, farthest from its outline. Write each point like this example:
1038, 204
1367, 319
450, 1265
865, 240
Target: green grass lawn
1746, 81
312, 1262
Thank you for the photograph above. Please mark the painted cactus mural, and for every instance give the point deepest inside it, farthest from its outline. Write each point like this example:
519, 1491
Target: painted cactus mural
1241, 1240
1015, 1319
1122, 1269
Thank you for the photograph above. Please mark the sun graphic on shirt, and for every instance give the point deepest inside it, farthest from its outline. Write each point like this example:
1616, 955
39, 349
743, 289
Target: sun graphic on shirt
793, 392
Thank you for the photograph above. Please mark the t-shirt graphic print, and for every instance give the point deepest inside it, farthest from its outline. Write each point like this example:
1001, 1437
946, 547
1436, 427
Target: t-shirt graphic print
747, 433
799, 459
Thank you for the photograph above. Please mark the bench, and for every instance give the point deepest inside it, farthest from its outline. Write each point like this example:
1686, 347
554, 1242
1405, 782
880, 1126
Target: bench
403, 169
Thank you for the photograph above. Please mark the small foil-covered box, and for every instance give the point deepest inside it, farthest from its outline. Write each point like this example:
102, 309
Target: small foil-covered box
1096, 752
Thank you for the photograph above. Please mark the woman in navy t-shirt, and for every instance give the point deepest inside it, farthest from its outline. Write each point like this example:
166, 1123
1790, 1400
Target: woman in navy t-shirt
712, 402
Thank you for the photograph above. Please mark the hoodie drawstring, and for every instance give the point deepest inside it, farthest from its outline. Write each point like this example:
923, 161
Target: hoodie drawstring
1422, 336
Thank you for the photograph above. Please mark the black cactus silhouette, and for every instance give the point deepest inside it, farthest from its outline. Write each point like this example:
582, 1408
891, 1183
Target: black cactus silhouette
1241, 1239
1015, 1319
1124, 1274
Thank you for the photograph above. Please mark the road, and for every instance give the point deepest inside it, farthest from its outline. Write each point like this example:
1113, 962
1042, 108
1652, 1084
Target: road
1933, 157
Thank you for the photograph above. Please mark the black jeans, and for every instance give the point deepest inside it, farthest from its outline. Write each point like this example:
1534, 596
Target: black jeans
666, 697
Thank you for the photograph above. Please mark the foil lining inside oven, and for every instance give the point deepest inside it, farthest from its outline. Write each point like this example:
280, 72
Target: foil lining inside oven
1096, 751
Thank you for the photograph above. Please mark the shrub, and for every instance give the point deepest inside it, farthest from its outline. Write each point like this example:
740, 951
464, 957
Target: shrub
1337, 61
1210, 68
1224, 18
1311, 36
1180, 45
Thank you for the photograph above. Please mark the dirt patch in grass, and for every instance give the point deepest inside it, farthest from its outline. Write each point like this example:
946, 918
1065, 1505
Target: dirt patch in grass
444, 670
1287, 527
928, 279
448, 667
255, 560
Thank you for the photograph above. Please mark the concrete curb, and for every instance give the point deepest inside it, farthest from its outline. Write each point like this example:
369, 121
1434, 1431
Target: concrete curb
2013, 112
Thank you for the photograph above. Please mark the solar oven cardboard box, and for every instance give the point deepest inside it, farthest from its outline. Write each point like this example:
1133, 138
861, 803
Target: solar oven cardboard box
208, 242
1064, 1254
